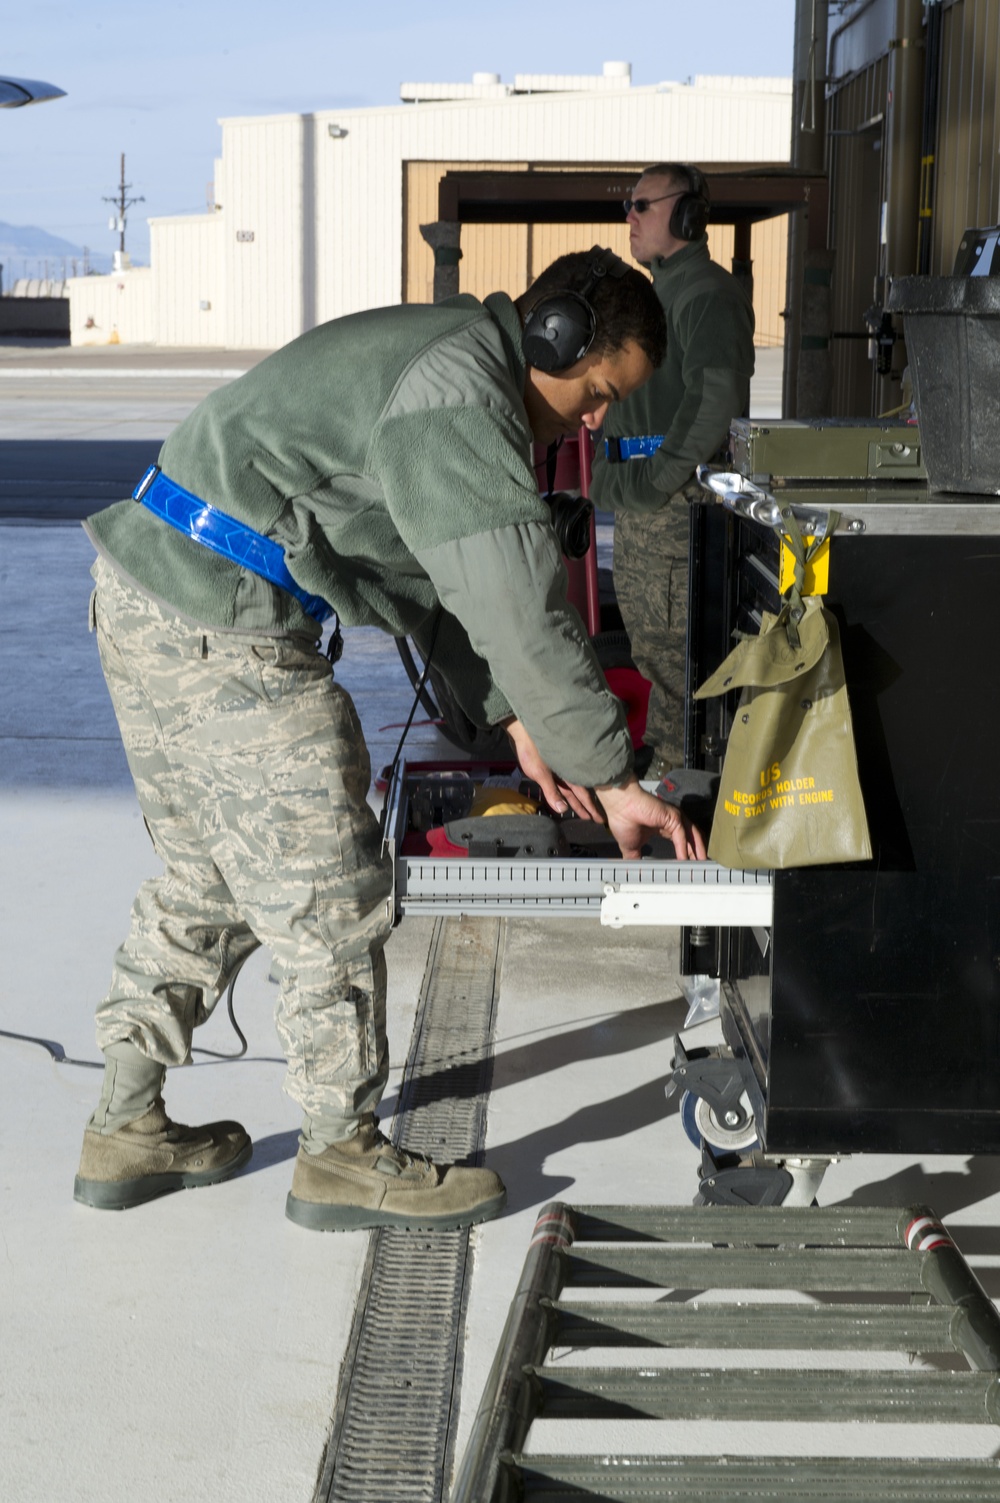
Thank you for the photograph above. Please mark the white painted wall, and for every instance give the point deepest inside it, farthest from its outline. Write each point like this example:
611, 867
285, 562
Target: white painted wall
190, 282
116, 309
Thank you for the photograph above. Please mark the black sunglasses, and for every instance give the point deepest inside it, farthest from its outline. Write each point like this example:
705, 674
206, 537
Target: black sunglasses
640, 205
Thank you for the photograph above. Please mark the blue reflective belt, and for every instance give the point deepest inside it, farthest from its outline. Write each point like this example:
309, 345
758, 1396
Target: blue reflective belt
234, 540
618, 449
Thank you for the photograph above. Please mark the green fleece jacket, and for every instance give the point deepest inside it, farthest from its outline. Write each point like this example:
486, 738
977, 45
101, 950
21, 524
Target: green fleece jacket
703, 383
390, 454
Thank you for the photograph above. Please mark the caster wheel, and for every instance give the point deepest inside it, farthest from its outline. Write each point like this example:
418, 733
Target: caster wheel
700, 1123
688, 1113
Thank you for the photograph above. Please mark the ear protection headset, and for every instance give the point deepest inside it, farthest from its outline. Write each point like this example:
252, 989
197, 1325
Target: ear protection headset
560, 328
690, 213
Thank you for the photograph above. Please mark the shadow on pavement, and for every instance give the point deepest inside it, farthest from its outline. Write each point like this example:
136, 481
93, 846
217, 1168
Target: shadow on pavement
946, 1191
64, 480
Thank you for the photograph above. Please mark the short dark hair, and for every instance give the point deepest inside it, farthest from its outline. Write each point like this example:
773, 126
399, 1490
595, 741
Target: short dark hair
691, 179
626, 307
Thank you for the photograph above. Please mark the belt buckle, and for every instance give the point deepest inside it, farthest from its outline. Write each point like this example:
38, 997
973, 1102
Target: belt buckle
145, 482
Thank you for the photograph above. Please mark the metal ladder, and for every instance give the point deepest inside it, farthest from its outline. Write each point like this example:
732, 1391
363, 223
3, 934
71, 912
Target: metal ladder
890, 1281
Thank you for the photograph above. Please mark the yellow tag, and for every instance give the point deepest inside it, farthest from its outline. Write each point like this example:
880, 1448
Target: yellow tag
817, 580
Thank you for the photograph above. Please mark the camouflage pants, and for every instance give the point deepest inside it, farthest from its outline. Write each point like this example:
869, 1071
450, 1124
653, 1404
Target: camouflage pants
252, 774
651, 582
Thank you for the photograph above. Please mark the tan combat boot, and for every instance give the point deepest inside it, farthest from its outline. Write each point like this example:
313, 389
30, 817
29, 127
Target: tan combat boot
152, 1156
365, 1181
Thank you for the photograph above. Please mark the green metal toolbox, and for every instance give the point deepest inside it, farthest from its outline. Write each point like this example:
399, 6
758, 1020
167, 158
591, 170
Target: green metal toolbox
777, 454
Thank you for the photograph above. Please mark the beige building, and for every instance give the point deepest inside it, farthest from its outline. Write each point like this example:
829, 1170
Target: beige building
319, 215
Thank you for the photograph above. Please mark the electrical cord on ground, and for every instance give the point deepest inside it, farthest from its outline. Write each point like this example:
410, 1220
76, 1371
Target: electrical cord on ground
60, 1057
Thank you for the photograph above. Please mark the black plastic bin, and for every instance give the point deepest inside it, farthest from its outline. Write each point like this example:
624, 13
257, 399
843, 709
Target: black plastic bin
952, 329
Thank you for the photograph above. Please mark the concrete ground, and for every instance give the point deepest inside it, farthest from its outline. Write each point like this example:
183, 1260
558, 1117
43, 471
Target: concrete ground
190, 1349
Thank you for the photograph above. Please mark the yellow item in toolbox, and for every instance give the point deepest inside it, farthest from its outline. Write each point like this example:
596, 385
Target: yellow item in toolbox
502, 801
817, 580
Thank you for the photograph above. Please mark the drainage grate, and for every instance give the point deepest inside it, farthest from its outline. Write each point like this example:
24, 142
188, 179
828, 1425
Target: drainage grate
899, 1287
392, 1429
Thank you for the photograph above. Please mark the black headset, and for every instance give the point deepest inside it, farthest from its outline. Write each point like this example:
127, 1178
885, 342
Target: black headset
559, 329
690, 213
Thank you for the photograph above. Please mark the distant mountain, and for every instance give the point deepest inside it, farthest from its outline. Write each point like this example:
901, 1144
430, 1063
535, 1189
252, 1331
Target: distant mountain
26, 251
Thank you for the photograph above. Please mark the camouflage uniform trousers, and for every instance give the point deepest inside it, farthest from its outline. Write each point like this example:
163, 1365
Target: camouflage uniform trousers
651, 583
252, 774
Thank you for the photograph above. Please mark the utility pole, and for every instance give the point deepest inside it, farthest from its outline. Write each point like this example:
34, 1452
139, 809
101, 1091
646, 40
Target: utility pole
122, 203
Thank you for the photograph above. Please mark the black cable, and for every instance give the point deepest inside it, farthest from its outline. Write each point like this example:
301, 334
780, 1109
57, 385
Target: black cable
551, 461
409, 718
58, 1053
549, 464
413, 674
213, 1053
60, 1056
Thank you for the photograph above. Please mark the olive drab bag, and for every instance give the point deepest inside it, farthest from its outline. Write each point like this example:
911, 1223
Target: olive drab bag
789, 793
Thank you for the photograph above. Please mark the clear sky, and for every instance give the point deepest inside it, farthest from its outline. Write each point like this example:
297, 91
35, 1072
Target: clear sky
152, 78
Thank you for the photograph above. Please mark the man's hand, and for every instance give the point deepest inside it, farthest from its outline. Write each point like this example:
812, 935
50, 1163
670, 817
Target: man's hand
634, 815
558, 794
631, 814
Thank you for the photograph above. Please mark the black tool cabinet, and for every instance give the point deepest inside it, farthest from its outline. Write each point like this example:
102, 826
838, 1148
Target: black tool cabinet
868, 1020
